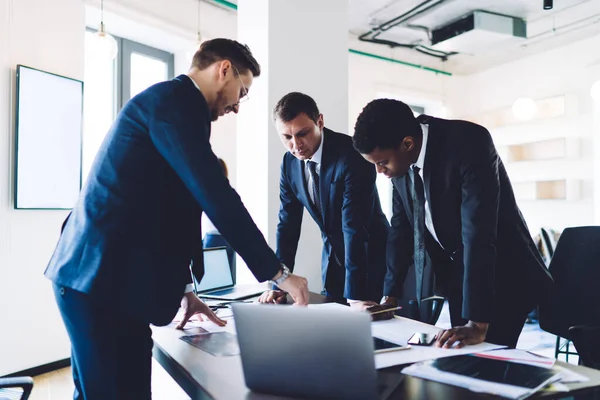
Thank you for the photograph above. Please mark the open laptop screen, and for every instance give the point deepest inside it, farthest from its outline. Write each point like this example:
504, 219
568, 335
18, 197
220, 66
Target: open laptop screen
217, 273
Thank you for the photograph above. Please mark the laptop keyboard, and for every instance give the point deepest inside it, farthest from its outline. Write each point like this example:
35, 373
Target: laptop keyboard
221, 292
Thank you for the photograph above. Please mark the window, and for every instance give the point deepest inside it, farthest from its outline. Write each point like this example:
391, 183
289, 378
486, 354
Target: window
143, 66
108, 85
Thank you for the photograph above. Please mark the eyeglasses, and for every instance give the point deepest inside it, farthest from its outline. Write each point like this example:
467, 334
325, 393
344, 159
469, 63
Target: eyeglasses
244, 95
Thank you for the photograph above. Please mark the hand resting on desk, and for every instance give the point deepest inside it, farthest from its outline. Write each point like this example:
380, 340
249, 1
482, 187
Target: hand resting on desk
469, 334
273, 297
192, 305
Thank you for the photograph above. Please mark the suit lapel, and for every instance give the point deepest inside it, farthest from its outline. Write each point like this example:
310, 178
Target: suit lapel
328, 162
402, 186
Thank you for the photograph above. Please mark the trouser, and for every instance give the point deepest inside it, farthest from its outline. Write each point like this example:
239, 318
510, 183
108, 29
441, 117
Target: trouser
111, 353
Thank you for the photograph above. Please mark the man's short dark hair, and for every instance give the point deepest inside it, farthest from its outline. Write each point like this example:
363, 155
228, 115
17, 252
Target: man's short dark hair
215, 50
384, 123
293, 104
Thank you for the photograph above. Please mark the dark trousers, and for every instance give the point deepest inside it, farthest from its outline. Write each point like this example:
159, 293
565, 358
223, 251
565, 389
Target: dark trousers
111, 353
506, 323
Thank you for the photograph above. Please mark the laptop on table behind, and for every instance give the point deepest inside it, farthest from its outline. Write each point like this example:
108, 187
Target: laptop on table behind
317, 354
217, 282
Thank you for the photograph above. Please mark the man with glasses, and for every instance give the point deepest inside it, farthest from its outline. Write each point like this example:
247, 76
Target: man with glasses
122, 261
323, 173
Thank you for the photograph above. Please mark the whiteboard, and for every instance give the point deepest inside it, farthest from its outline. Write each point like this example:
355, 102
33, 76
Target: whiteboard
48, 131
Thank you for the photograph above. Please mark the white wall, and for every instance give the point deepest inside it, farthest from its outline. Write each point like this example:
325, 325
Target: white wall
293, 58
48, 36
565, 72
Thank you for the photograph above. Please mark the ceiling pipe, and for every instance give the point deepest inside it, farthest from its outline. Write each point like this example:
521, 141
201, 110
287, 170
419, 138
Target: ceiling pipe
233, 6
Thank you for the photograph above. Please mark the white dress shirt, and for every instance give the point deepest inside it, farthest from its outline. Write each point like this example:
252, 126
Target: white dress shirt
420, 164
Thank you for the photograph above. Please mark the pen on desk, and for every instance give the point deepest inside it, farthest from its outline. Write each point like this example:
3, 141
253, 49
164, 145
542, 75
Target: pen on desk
386, 310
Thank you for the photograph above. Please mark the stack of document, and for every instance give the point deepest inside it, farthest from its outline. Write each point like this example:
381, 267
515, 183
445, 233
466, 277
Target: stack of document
494, 375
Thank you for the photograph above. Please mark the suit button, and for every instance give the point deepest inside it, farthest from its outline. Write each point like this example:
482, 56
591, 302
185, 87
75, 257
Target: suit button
62, 291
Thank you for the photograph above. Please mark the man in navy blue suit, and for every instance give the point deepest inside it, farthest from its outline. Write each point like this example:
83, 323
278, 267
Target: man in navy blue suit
122, 261
323, 173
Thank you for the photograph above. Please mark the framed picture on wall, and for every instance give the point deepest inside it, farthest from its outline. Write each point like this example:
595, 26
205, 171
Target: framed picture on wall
48, 136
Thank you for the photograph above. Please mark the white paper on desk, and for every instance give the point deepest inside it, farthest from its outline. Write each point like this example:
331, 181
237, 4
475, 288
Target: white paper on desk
519, 357
399, 330
568, 376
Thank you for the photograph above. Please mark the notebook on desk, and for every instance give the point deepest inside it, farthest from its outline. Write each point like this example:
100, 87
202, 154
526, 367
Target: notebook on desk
217, 282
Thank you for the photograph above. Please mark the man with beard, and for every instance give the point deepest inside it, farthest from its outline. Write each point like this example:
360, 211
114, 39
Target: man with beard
122, 261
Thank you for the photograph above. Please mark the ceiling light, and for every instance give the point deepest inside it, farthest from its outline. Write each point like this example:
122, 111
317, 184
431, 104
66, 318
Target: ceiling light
106, 46
548, 4
190, 54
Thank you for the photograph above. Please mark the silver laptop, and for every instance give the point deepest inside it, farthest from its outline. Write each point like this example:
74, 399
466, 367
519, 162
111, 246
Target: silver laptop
308, 353
217, 282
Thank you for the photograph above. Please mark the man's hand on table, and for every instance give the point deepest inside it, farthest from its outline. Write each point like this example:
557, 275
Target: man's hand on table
273, 297
357, 305
469, 334
297, 287
386, 304
192, 305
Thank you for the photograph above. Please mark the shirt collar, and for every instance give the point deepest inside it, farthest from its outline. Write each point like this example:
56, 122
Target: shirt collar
194, 82
421, 160
317, 157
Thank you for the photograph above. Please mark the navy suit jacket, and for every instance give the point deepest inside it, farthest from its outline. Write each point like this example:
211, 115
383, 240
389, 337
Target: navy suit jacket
488, 259
129, 239
353, 227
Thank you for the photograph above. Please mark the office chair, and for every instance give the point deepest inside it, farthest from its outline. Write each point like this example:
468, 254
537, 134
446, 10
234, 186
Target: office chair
575, 268
585, 340
431, 305
15, 388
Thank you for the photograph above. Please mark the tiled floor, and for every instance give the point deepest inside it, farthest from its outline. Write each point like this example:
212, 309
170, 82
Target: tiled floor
58, 385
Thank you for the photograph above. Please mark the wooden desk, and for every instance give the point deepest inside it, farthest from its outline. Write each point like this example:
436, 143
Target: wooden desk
203, 376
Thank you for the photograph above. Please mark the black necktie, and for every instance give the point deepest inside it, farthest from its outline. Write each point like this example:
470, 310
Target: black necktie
314, 184
418, 196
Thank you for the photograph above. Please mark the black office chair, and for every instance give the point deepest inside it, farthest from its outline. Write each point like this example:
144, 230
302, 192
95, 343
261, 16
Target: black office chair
15, 388
575, 268
431, 305
585, 339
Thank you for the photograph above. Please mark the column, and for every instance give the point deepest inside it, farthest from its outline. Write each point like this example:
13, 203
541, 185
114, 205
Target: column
301, 45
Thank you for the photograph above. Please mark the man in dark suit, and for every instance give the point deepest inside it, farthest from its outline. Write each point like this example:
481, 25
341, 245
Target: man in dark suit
323, 173
122, 261
453, 199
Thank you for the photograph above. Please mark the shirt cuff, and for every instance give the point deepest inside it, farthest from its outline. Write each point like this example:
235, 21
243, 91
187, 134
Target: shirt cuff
350, 301
188, 288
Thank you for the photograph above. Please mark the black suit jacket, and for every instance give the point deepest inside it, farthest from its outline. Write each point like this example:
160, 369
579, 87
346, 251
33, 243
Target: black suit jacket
353, 227
130, 237
488, 256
